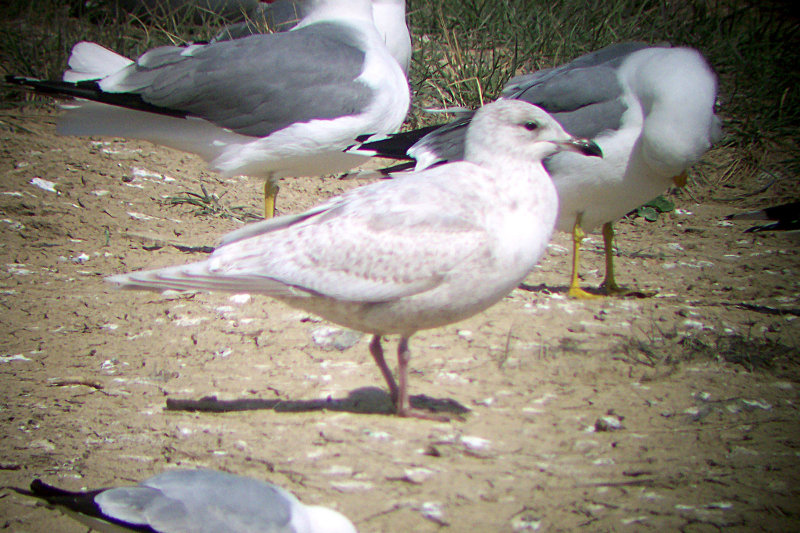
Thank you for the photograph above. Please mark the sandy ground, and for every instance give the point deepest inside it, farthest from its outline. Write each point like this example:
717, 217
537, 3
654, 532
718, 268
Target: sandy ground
702, 380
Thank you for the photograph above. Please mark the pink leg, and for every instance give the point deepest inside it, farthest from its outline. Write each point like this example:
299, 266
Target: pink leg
403, 403
376, 350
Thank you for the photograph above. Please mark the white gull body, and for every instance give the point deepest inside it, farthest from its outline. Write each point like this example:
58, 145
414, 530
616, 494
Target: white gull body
403, 255
275, 105
667, 123
197, 501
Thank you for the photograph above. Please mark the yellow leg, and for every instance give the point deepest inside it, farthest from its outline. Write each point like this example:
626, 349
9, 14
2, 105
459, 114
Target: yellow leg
681, 179
270, 194
575, 290
609, 285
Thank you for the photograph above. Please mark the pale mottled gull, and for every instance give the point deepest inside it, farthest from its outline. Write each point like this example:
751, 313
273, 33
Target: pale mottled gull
273, 105
649, 108
389, 17
403, 255
197, 501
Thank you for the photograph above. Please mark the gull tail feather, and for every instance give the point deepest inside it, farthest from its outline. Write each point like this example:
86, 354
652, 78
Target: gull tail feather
90, 61
198, 276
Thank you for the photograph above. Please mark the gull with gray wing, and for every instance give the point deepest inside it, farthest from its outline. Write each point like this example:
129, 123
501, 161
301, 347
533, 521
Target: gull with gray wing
197, 501
275, 105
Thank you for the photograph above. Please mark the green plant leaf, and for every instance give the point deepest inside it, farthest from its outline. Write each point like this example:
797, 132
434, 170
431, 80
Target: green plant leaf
649, 213
663, 205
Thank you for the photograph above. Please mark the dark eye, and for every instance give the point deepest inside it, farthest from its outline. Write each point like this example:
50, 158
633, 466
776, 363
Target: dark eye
530, 126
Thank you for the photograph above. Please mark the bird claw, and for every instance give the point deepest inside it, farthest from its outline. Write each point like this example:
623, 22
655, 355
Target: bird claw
580, 294
609, 291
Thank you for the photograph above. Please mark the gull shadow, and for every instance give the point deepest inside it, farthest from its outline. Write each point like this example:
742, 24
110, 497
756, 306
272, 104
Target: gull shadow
366, 400
547, 289
597, 291
779, 311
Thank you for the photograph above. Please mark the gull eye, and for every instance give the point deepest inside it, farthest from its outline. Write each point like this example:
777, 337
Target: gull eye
530, 126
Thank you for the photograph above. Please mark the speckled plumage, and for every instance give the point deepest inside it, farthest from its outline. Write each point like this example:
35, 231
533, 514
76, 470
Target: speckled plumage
403, 255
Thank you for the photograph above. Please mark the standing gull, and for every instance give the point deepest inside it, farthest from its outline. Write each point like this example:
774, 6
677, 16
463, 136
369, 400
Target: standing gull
200, 501
403, 255
649, 108
273, 105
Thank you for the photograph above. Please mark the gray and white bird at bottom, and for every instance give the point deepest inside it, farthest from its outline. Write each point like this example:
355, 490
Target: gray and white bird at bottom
399, 256
196, 501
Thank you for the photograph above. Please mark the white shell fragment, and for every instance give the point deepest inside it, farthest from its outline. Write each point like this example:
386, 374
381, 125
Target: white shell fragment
43, 184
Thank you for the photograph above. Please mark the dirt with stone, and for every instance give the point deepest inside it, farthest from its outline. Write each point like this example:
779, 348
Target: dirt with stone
676, 412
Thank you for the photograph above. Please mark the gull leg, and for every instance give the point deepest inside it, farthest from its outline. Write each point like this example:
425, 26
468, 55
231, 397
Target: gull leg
610, 283
376, 350
403, 403
270, 194
575, 290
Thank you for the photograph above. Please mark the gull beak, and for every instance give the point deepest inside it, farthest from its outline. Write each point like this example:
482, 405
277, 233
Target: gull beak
582, 146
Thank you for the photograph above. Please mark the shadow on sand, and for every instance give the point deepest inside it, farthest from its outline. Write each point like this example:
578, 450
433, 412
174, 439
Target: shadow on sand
366, 400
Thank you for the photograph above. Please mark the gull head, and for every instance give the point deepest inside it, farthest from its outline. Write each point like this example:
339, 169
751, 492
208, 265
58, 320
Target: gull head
518, 130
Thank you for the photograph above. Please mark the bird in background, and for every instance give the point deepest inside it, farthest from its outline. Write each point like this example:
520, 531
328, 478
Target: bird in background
649, 108
197, 501
783, 217
268, 105
403, 255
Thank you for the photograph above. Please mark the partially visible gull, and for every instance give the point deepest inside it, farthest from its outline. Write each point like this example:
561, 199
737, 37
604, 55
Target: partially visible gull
197, 501
398, 256
649, 108
784, 217
282, 15
273, 105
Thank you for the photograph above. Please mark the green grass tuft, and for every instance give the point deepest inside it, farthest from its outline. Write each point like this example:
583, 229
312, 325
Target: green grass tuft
209, 204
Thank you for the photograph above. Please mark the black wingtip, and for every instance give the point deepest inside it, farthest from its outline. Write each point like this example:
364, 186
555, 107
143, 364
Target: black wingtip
90, 90
24, 492
40, 488
18, 80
